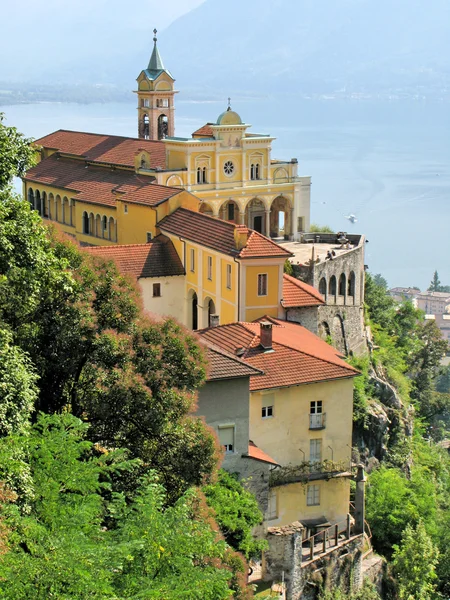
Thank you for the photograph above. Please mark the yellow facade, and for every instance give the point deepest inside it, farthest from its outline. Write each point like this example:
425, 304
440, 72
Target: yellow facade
292, 439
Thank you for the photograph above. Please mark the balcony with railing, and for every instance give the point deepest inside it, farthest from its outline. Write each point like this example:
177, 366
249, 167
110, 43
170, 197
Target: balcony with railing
317, 420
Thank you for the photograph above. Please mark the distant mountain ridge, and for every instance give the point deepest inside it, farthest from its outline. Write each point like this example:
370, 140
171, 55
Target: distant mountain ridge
270, 46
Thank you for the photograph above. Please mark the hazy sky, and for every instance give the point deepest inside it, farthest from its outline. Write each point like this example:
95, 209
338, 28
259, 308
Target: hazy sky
37, 36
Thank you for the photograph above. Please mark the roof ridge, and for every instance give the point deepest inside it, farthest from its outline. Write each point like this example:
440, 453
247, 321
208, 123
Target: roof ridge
278, 323
229, 355
108, 135
305, 287
202, 215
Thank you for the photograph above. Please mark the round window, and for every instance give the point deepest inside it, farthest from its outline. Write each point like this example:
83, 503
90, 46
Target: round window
228, 167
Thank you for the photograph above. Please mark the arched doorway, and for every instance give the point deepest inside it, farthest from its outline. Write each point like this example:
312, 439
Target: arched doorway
280, 218
206, 209
51, 205
229, 211
338, 334
324, 331
192, 310
209, 308
85, 222
255, 216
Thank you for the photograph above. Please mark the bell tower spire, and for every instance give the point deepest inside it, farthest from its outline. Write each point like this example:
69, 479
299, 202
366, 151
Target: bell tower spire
156, 94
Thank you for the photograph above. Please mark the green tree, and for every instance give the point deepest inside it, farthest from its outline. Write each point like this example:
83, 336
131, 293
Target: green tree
380, 306
62, 549
314, 228
16, 154
414, 564
435, 284
79, 320
237, 513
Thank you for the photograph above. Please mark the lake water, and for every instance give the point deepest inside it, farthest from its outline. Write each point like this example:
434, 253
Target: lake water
386, 162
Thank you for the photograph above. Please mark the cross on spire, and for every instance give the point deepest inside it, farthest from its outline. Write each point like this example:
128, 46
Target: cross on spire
229, 103
155, 39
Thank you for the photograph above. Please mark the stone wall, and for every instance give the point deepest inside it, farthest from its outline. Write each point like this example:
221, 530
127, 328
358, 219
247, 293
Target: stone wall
340, 566
342, 317
307, 316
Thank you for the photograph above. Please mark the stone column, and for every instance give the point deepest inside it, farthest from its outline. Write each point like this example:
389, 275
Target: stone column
291, 224
267, 232
241, 217
360, 500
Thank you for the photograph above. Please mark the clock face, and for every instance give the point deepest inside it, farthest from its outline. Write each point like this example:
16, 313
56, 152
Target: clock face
228, 168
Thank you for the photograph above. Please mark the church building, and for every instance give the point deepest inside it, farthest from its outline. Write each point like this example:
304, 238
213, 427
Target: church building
106, 189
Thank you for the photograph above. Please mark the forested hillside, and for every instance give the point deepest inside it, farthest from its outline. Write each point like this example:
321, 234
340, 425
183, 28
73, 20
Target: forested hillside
402, 412
101, 465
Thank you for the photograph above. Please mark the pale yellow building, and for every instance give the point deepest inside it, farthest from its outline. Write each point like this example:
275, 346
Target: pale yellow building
202, 270
300, 415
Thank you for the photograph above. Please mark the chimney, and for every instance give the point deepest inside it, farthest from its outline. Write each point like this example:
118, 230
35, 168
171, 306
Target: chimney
214, 320
240, 236
265, 334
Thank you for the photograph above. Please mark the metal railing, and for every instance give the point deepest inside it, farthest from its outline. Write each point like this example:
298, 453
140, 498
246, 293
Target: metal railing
324, 540
317, 420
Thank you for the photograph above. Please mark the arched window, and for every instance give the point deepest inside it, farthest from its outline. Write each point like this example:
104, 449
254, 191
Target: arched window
342, 285
332, 286
201, 175
257, 174
104, 227
31, 197
252, 171
351, 284
71, 205
323, 286
98, 226
57, 207
38, 202
112, 229
85, 222
91, 224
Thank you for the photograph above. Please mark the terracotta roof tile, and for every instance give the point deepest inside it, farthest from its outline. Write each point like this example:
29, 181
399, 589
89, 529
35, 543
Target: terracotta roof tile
98, 185
204, 131
260, 246
219, 235
298, 355
158, 258
223, 365
112, 149
258, 454
296, 293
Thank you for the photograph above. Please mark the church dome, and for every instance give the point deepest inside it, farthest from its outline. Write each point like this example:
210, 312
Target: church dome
229, 117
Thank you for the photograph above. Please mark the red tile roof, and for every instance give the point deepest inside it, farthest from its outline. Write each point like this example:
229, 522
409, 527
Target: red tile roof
111, 149
219, 235
155, 259
258, 454
296, 293
223, 365
298, 356
204, 131
98, 185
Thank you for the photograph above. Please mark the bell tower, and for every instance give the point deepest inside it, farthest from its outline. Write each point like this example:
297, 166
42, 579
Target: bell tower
156, 95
